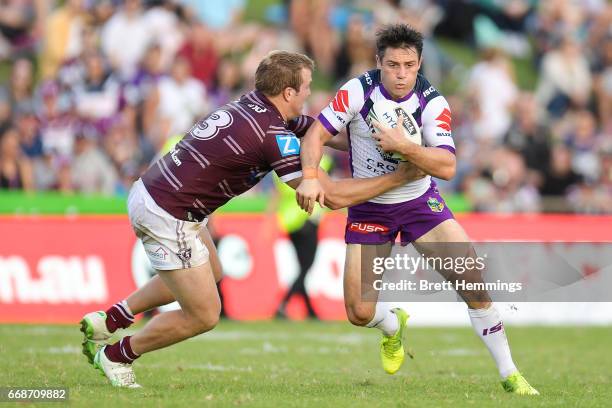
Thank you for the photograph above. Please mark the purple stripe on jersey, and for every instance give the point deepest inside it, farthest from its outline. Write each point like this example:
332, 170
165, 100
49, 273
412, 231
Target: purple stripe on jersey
422, 103
387, 95
449, 148
363, 111
327, 125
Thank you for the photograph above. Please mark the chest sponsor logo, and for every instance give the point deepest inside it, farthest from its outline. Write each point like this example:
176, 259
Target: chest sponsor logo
444, 120
341, 101
366, 228
389, 164
288, 144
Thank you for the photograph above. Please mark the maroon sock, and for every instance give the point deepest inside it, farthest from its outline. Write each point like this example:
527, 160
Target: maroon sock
121, 351
117, 317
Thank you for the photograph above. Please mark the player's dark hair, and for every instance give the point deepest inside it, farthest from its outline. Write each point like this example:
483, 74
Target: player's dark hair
280, 70
398, 36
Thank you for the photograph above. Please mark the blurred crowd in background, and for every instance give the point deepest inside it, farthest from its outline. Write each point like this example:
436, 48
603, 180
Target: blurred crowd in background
90, 90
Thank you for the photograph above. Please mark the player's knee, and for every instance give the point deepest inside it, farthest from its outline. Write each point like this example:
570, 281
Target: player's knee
204, 320
359, 314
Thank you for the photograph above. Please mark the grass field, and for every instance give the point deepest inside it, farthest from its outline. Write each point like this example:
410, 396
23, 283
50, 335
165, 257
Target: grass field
311, 364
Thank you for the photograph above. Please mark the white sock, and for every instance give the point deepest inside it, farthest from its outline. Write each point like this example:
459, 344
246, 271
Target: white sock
384, 319
488, 326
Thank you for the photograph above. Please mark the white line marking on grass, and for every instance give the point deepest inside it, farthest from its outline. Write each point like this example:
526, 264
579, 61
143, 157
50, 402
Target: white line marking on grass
240, 335
457, 352
205, 367
35, 330
66, 349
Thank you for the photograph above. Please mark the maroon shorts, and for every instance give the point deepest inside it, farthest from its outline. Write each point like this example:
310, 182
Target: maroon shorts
373, 223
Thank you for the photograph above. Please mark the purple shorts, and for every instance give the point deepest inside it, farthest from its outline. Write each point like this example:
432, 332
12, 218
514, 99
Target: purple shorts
373, 223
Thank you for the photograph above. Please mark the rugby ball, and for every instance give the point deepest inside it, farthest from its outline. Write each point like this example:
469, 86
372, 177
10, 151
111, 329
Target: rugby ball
386, 112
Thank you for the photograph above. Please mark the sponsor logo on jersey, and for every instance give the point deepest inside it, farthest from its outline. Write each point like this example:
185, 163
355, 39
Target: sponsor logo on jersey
341, 101
174, 155
429, 91
368, 78
444, 120
366, 228
435, 205
288, 144
387, 157
257, 108
444, 134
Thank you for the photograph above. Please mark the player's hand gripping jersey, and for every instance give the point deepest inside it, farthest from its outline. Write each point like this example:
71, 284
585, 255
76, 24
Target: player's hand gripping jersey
350, 109
224, 155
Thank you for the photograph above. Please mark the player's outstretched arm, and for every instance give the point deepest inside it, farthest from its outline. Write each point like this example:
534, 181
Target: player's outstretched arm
348, 192
310, 190
339, 142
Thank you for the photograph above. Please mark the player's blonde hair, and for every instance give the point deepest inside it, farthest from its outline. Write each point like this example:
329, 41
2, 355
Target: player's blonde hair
280, 70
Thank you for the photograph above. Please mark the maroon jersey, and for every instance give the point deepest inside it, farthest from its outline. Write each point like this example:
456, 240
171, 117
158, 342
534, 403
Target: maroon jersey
224, 155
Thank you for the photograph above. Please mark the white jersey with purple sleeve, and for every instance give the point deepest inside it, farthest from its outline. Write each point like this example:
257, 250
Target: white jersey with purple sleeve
350, 108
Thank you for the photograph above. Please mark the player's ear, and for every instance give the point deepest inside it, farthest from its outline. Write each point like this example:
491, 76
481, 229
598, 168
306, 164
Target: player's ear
288, 93
378, 61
